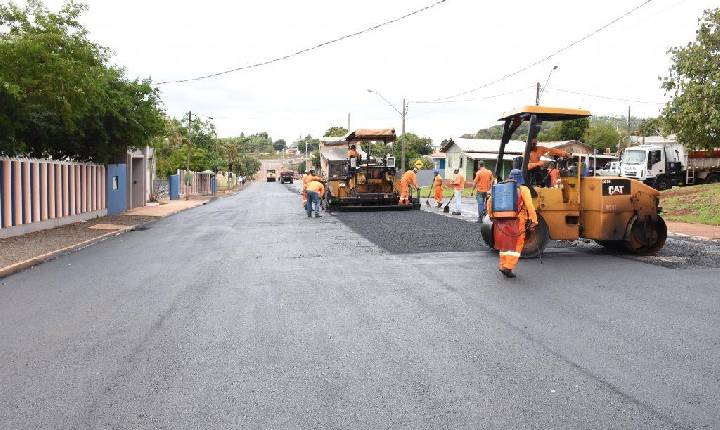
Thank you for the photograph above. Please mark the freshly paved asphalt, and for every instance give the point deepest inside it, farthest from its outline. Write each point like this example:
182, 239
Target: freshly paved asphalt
246, 314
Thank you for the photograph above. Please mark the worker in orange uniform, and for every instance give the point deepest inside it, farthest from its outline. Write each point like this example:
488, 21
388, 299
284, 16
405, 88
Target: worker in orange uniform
458, 186
482, 183
315, 190
408, 179
307, 178
509, 232
554, 175
438, 186
535, 164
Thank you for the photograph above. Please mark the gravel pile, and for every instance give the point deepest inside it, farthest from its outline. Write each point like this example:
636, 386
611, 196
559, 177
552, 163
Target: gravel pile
420, 231
414, 231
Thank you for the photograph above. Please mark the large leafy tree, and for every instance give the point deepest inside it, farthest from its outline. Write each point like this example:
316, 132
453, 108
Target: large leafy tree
602, 135
59, 94
694, 83
336, 132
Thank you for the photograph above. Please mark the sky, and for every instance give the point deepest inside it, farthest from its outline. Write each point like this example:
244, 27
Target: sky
453, 47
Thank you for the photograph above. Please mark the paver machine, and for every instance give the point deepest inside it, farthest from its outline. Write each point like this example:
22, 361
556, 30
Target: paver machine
365, 182
618, 213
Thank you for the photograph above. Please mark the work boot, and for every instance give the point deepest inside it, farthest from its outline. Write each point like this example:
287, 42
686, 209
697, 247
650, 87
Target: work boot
439, 205
457, 213
507, 273
317, 215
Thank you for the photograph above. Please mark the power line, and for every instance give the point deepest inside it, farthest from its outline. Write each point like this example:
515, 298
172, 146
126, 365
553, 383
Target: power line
543, 59
475, 99
308, 49
621, 99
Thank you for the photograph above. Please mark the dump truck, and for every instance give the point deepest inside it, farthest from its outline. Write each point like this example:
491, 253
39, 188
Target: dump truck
664, 163
367, 182
286, 176
270, 175
618, 213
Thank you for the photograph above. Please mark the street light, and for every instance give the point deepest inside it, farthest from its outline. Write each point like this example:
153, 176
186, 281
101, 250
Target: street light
403, 115
540, 91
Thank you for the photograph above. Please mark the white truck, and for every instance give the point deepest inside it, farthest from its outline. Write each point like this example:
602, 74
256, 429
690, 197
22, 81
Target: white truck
664, 163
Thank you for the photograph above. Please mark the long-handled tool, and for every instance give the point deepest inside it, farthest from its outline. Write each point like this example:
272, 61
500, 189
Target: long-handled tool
446, 208
427, 200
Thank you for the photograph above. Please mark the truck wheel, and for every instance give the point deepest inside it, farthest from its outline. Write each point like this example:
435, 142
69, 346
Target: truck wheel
661, 183
713, 179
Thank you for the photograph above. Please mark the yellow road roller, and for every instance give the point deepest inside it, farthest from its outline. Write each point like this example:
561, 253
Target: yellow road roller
618, 213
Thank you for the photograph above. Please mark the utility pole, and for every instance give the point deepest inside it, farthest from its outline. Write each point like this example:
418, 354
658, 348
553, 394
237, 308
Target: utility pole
187, 171
537, 94
402, 144
348, 127
628, 124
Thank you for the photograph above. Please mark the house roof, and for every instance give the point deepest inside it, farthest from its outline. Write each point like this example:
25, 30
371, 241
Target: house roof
490, 156
437, 155
484, 145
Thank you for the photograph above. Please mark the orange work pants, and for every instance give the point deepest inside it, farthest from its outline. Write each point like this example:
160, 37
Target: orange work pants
438, 195
404, 193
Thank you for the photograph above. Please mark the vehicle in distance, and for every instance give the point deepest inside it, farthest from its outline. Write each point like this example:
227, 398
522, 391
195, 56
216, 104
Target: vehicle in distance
286, 176
271, 175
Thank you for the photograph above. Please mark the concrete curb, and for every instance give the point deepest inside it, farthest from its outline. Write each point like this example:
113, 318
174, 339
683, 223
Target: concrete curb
18, 267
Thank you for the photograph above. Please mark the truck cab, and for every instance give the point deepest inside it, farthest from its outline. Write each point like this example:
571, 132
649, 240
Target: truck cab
658, 165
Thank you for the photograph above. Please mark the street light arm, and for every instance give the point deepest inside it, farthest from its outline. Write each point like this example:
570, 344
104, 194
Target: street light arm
386, 101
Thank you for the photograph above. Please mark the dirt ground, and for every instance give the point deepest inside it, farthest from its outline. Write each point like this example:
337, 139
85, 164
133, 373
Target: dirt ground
20, 248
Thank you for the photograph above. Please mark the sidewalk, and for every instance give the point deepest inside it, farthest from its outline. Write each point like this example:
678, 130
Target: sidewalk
20, 252
696, 231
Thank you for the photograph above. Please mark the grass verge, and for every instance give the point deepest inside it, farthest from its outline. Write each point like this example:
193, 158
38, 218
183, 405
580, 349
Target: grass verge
447, 192
698, 204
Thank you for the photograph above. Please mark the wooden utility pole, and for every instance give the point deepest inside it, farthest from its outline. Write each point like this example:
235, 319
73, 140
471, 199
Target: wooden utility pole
187, 171
402, 133
537, 94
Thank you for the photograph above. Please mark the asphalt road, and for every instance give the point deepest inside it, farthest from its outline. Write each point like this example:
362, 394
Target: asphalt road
246, 314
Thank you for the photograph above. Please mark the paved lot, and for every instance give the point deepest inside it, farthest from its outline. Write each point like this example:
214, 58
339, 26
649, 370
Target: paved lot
246, 314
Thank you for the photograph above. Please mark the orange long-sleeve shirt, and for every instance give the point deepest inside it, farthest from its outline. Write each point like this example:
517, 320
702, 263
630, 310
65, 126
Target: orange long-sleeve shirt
483, 180
316, 186
459, 182
409, 178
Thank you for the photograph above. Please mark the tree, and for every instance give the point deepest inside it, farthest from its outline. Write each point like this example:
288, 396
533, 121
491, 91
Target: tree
573, 129
336, 132
311, 143
601, 135
59, 94
651, 127
279, 145
694, 83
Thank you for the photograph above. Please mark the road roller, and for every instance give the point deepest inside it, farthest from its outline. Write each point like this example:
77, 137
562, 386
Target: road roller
621, 214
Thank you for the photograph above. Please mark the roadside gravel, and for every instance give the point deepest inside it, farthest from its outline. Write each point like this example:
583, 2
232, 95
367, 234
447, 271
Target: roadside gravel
20, 248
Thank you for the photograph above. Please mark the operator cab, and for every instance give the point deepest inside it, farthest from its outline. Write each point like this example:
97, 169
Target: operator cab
535, 115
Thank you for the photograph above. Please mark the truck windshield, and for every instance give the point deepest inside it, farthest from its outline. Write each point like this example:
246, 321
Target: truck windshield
633, 157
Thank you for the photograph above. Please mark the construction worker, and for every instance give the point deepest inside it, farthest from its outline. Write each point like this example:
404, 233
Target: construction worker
554, 175
307, 178
438, 186
315, 190
353, 153
509, 232
535, 164
481, 184
458, 186
408, 179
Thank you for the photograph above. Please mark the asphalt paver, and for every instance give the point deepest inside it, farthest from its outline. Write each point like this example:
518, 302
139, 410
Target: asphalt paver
244, 313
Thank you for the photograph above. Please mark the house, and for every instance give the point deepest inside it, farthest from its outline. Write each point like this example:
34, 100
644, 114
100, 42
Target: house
464, 154
569, 146
438, 159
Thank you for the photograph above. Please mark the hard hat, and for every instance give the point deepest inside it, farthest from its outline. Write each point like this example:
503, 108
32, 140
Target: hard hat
436, 172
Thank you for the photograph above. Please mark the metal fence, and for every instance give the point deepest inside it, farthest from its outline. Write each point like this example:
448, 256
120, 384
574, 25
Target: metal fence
161, 188
35, 190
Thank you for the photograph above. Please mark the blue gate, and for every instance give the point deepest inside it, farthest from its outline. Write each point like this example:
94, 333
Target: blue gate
116, 188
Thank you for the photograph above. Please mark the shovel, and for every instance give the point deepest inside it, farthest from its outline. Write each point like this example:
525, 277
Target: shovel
446, 208
427, 200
